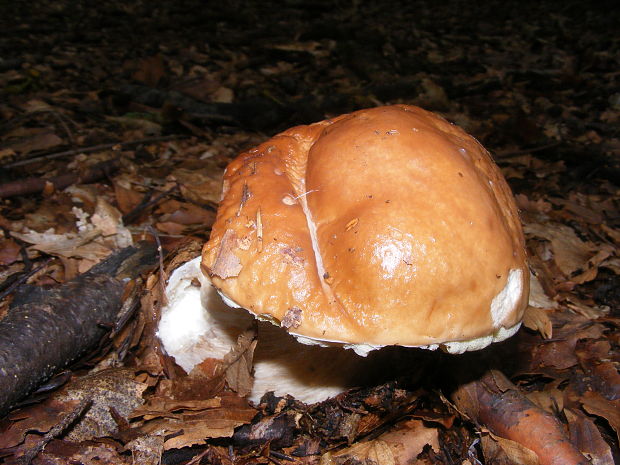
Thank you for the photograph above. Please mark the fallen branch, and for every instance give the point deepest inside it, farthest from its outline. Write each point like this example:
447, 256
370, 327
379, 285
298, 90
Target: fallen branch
494, 402
91, 149
33, 185
46, 329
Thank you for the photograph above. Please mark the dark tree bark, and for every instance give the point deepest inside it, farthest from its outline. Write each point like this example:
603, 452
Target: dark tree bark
46, 329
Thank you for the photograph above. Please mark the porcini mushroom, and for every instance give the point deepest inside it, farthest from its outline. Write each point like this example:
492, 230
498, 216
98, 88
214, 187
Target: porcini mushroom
384, 227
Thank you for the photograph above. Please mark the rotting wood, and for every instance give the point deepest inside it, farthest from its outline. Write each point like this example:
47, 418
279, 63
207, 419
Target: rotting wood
46, 329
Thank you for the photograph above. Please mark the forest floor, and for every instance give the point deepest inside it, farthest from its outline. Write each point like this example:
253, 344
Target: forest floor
117, 120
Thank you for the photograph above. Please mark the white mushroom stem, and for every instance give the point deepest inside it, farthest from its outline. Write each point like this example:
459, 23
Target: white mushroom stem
196, 324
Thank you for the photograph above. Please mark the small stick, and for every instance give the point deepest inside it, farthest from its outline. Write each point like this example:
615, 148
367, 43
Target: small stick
33, 185
146, 203
93, 148
56, 431
23, 278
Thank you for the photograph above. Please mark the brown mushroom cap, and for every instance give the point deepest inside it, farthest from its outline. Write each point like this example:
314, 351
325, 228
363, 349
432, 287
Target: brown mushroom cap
387, 226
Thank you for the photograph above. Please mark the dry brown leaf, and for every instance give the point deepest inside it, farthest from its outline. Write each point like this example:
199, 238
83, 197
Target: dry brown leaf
223, 95
42, 141
126, 198
198, 186
587, 437
7, 155
538, 298
516, 452
109, 221
588, 311
551, 399
186, 213
98, 235
399, 446
194, 428
59, 452
34, 419
150, 70
595, 404
238, 362
537, 206
9, 251
613, 233
559, 354
570, 253
605, 251
168, 227
537, 319
66, 245
371, 452
163, 406
142, 126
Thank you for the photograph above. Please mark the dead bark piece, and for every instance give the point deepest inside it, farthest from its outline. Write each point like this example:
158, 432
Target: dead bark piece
492, 402
49, 328
147, 450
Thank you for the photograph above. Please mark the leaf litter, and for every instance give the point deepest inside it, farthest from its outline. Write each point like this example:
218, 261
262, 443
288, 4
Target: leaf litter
170, 94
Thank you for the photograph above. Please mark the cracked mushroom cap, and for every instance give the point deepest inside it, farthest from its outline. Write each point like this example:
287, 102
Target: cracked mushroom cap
387, 226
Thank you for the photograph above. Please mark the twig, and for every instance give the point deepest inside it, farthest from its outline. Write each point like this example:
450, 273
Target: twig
146, 203
23, 278
93, 148
54, 432
60, 117
34, 185
162, 274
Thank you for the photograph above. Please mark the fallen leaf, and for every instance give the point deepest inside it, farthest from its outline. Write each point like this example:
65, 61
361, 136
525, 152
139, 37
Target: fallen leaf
514, 452
550, 399
59, 452
537, 319
538, 206
9, 251
187, 429
198, 186
238, 363
223, 95
171, 228
150, 70
399, 446
587, 438
42, 141
595, 404
34, 419
570, 253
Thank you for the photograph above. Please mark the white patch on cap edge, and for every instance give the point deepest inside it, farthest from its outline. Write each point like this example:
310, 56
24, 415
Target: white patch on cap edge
504, 303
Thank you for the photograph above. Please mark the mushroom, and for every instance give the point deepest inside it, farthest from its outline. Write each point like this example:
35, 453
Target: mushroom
385, 227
